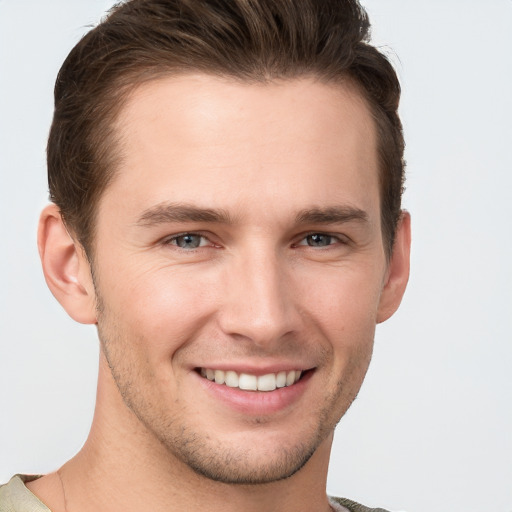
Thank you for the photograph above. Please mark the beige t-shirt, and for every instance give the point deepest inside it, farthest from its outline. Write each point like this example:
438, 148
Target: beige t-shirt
16, 497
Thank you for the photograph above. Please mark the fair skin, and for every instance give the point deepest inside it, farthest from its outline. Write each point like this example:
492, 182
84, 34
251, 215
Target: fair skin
242, 234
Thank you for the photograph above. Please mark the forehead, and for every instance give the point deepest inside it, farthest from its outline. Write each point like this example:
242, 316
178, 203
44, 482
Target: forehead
206, 139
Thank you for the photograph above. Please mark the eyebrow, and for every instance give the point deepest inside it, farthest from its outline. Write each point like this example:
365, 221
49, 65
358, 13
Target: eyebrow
331, 215
178, 212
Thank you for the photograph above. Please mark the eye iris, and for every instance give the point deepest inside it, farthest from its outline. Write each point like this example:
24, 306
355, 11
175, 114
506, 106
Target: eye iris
188, 241
319, 240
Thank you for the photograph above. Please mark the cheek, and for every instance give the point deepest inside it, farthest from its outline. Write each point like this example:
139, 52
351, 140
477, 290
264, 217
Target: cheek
344, 301
343, 306
156, 309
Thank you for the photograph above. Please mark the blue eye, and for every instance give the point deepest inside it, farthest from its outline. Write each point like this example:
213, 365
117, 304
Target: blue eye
318, 240
188, 241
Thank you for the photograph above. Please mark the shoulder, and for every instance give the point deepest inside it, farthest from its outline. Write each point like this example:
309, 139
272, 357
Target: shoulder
352, 506
15, 497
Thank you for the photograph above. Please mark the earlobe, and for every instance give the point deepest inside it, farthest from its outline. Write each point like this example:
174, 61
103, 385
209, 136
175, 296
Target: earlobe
398, 270
65, 267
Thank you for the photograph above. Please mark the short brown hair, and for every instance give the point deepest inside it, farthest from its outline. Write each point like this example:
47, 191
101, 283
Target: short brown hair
249, 40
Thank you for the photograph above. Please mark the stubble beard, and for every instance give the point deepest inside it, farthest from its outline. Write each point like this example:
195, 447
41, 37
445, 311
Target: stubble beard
208, 457
219, 462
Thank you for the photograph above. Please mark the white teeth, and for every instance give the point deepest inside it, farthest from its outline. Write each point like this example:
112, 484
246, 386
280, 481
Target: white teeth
220, 377
281, 380
231, 379
267, 382
290, 378
248, 382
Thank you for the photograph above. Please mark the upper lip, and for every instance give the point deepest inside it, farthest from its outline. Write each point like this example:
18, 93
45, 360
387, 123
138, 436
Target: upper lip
257, 370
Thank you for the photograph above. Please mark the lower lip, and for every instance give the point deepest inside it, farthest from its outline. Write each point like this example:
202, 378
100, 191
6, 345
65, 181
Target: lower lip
257, 403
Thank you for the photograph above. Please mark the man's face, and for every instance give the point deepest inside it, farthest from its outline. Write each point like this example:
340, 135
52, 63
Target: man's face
241, 240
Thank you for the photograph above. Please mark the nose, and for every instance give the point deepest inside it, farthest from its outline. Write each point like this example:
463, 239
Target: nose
259, 303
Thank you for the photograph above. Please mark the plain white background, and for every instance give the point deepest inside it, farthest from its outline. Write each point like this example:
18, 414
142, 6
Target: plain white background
431, 430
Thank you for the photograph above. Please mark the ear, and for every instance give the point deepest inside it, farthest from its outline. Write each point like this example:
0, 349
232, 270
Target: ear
65, 267
397, 273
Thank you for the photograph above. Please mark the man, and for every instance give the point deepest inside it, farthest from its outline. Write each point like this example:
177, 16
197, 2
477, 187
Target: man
225, 180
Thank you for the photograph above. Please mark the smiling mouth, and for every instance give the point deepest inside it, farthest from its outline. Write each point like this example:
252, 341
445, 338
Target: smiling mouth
249, 382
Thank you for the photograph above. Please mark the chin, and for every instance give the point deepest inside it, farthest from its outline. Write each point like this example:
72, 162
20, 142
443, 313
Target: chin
260, 455
243, 467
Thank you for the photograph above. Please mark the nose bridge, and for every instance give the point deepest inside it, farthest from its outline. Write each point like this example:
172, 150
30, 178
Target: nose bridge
259, 304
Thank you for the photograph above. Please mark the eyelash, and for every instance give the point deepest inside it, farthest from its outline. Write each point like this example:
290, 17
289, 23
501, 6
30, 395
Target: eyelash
335, 239
332, 240
172, 240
